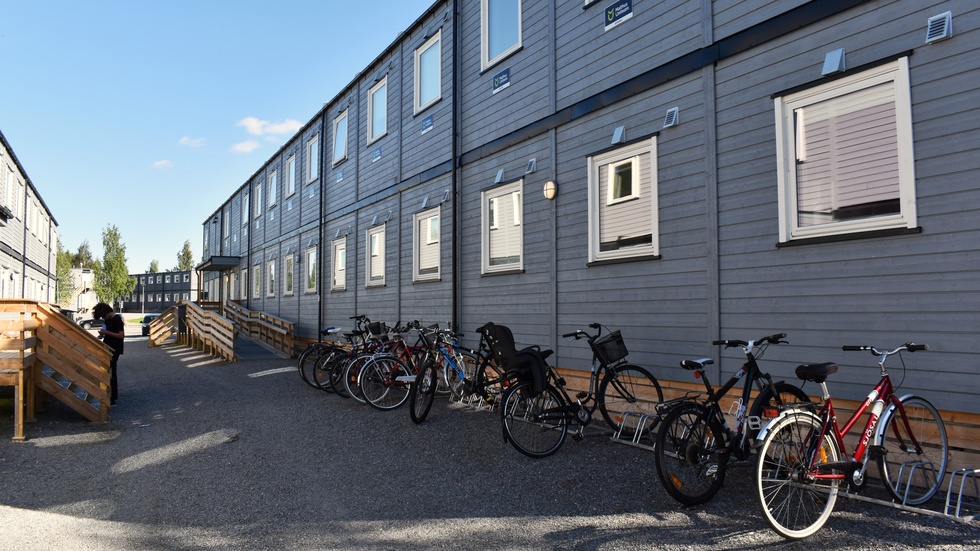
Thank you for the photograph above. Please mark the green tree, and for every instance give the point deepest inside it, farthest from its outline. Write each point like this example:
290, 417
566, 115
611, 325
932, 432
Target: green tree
112, 279
66, 286
185, 260
154, 267
83, 258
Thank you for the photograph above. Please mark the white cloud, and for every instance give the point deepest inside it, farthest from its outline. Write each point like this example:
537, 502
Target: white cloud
247, 146
163, 165
258, 127
191, 142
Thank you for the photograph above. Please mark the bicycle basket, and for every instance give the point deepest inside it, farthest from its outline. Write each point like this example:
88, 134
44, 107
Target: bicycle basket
610, 348
376, 328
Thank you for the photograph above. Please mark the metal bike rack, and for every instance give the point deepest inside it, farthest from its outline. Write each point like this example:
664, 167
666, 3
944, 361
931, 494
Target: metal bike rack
964, 474
640, 430
475, 401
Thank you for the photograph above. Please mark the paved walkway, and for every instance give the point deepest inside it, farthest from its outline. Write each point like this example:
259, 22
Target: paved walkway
203, 454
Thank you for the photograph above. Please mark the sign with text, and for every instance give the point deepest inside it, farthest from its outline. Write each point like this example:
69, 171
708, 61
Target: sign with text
617, 13
427, 124
501, 80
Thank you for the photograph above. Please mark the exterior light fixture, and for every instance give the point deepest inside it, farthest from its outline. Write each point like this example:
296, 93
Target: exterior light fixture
550, 190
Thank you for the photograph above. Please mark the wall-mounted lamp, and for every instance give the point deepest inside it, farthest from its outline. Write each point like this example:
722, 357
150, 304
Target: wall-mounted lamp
214, 220
550, 190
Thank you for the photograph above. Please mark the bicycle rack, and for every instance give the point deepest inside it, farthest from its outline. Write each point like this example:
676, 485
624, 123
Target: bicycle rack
912, 466
475, 401
641, 429
964, 474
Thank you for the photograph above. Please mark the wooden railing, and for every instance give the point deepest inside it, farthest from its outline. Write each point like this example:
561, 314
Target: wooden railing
43, 353
273, 331
163, 327
208, 331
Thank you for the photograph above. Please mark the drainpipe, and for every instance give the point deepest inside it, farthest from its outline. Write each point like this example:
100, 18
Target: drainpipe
456, 195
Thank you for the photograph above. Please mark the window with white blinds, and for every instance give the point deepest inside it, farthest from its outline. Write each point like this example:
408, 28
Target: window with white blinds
623, 202
339, 255
426, 240
375, 256
845, 155
503, 233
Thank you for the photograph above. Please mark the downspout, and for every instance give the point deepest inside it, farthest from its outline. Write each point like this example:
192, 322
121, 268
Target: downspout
456, 195
319, 230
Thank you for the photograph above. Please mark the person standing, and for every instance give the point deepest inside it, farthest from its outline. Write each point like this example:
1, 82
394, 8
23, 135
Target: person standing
112, 333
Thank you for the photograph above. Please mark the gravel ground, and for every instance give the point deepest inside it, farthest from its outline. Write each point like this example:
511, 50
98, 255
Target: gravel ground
202, 454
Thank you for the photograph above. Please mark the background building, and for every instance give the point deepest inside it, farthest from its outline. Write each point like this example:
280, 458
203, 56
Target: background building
158, 291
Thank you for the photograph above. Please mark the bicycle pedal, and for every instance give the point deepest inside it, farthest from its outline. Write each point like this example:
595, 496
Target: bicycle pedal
877, 452
581, 395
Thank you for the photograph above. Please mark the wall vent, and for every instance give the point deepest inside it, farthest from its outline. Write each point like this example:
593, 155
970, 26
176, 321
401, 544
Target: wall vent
672, 117
939, 27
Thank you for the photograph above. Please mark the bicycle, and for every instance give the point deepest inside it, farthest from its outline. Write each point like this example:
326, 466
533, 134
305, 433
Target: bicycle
308, 358
386, 378
537, 410
803, 459
465, 372
695, 442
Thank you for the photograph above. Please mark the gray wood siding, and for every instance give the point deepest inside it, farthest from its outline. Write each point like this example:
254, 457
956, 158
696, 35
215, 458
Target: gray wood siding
378, 173
590, 59
880, 291
486, 115
341, 180
339, 306
380, 303
310, 192
732, 16
428, 301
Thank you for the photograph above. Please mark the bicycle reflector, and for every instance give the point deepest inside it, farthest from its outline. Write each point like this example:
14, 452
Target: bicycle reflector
770, 413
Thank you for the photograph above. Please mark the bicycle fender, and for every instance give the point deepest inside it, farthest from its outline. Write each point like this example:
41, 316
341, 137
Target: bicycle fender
763, 433
887, 415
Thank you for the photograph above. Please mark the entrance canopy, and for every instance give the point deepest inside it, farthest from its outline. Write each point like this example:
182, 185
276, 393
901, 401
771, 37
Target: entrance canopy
218, 264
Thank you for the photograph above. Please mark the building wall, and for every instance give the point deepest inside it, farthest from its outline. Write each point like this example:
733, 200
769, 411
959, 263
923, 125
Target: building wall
576, 87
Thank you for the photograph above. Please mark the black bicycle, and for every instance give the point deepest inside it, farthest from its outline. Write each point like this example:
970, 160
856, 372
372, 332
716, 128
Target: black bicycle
696, 442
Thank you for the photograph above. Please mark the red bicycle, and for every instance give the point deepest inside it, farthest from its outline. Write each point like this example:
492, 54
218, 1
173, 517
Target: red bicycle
803, 460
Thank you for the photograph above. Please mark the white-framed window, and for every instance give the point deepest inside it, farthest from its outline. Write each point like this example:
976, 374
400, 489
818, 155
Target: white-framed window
623, 202
258, 201
291, 175
374, 252
187, 278
271, 279
500, 30
340, 137
143, 280
313, 159
502, 231
166, 279
159, 279
225, 225
159, 297
166, 297
288, 276
245, 197
377, 110
311, 270
185, 296
243, 288
256, 281
844, 155
426, 239
428, 72
338, 281
273, 188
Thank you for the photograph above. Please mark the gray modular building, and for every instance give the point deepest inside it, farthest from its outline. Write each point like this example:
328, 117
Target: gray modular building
716, 169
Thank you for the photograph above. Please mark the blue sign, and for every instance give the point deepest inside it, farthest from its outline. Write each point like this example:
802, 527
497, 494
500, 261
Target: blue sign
501, 80
617, 13
340, 176
376, 154
427, 124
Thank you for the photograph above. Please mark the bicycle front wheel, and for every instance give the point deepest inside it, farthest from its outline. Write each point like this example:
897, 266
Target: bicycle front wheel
534, 422
423, 391
627, 394
385, 382
690, 453
913, 462
352, 377
323, 367
794, 503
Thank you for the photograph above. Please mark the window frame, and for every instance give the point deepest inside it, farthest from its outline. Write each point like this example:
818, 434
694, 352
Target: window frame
370, 255
311, 274
257, 204
486, 61
289, 276
599, 204
313, 159
514, 189
419, 52
270, 288
245, 208
291, 175
339, 244
345, 118
371, 135
257, 281
420, 241
895, 72
273, 183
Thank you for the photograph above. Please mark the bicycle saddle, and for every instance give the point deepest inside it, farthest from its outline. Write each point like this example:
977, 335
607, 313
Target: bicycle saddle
816, 372
696, 365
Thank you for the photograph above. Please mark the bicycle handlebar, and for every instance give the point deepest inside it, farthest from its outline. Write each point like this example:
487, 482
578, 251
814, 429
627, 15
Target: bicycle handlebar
578, 333
775, 338
910, 346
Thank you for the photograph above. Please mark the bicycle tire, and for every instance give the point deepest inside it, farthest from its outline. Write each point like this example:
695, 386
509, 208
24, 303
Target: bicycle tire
323, 369
907, 474
385, 382
351, 377
423, 392
690, 453
534, 422
766, 400
307, 362
629, 388
794, 505
466, 361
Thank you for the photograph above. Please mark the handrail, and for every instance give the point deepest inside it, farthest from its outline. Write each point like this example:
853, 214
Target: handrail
273, 331
212, 332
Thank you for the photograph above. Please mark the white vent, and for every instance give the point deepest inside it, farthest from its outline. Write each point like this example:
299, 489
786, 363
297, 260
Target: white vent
940, 27
672, 117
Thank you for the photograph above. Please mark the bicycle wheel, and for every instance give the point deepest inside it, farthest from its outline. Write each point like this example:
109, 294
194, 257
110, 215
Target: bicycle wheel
323, 369
423, 392
385, 382
467, 362
794, 504
912, 476
767, 400
690, 453
351, 377
534, 422
629, 389
308, 359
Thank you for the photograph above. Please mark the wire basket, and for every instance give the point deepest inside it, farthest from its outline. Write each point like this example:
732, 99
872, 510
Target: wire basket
610, 348
377, 328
